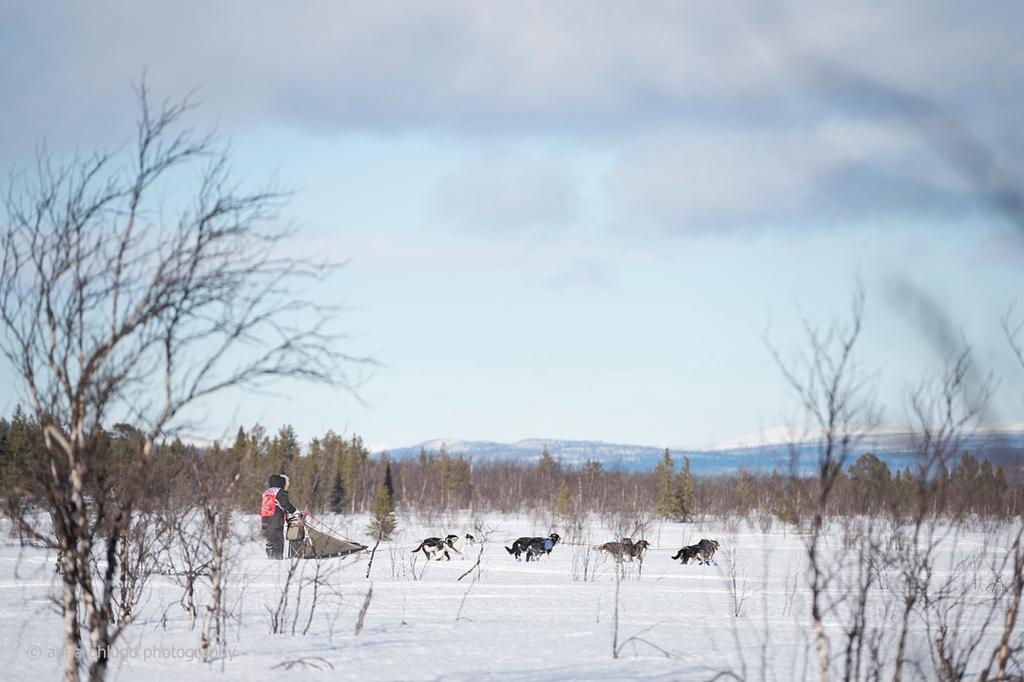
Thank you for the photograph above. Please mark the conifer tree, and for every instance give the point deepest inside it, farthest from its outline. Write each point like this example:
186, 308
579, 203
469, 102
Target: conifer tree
337, 501
388, 483
284, 448
241, 441
667, 493
687, 492
563, 506
548, 471
383, 522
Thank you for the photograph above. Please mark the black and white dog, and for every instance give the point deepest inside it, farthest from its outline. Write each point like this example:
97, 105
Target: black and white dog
460, 543
703, 552
539, 547
436, 548
533, 548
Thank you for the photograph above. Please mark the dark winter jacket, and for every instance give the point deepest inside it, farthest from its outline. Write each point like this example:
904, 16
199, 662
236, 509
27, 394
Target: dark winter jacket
276, 497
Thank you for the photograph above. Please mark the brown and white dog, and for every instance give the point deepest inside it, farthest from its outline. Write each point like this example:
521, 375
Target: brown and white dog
624, 549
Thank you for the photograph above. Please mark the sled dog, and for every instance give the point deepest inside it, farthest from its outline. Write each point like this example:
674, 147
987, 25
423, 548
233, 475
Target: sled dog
624, 549
703, 552
540, 546
459, 544
435, 548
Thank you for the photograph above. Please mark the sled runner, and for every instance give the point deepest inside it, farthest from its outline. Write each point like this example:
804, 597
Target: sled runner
310, 539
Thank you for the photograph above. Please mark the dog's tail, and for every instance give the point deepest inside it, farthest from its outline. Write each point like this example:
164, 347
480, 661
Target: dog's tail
679, 555
420, 547
510, 550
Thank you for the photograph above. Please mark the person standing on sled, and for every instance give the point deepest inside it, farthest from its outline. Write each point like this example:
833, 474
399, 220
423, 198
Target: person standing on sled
274, 508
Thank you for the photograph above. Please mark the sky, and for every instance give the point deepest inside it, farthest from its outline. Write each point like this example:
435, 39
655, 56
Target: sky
583, 220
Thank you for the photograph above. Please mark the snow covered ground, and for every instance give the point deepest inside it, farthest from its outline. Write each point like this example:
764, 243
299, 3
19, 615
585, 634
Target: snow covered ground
517, 621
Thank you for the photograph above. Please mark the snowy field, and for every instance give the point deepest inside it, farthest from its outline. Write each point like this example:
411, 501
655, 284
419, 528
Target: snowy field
539, 621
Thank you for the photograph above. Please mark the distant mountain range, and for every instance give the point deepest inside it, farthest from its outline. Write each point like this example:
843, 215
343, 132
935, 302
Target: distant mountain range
897, 449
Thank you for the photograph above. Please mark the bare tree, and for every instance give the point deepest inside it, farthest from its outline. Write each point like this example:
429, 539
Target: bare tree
186, 558
835, 397
942, 409
127, 294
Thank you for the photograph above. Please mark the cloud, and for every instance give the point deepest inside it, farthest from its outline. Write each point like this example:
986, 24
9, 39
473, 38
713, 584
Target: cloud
839, 170
573, 67
507, 193
720, 115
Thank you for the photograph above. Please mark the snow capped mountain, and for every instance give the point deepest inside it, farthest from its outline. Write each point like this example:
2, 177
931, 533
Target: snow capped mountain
569, 452
896, 448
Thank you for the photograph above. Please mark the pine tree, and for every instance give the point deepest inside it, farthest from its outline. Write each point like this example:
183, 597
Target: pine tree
353, 465
241, 442
337, 501
871, 480
687, 492
383, 522
667, 494
284, 448
443, 464
548, 465
548, 471
388, 483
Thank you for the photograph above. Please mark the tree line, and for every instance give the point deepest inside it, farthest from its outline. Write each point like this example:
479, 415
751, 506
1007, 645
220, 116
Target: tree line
338, 474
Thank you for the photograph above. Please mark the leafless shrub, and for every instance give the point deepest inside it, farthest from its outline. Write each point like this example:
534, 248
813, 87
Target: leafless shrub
300, 596
278, 613
363, 609
482, 535
835, 398
942, 408
629, 524
574, 524
739, 586
138, 558
585, 560
731, 524
185, 558
116, 305
765, 520
637, 638
1011, 642
792, 580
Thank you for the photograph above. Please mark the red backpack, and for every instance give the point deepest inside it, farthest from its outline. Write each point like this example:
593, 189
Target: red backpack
268, 507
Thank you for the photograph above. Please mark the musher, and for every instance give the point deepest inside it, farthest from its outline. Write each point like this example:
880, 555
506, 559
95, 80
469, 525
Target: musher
274, 509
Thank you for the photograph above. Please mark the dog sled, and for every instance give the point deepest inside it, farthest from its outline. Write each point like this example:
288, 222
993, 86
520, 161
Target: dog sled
310, 539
